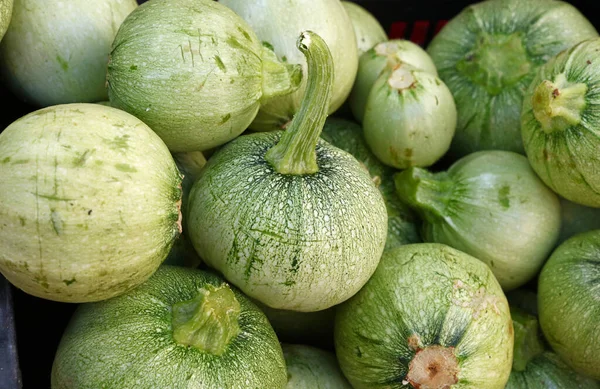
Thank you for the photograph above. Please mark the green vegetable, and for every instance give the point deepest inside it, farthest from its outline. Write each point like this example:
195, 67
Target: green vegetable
367, 29
576, 218
536, 367
86, 215
312, 368
55, 52
6, 7
278, 23
383, 57
402, 222
560, 123
194, 71
430, 317
410, 118
181, 328
491, 205
569, 302
488, 54
294, 222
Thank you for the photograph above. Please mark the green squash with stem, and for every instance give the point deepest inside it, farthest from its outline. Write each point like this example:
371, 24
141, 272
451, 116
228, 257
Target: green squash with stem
491, 205
559, 123
402, 221
569, 302
489, 53
194, 71
535, 365
292, 221
183, 328
430, 317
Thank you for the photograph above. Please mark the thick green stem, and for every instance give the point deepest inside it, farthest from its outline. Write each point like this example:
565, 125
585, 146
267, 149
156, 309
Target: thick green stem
295, 153
428, 193
558, 105
527, 340
209, 321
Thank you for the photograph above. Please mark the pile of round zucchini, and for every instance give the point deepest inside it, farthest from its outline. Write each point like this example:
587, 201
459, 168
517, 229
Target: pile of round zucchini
265, 194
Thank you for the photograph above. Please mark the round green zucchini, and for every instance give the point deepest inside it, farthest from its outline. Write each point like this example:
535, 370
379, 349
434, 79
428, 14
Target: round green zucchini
488, 54
194, 71
560, 122
183, 328
402, 221
430, 317
569, 302
312, 368
55, 52
491, 205
292, 221
86, 214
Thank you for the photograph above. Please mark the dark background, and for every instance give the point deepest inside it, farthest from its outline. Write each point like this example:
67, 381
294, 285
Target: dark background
37, 324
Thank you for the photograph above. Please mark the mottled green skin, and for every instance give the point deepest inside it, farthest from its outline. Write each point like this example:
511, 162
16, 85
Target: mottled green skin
86, 214
55, 51
488, 86
569, 302
312, 368
280, 23
402, 222
425, 294
127, 343
577, 218
190, 69
568, 160
410, 126
6, 7
379, 59
295, 242
367, 29
492, 207
548, 371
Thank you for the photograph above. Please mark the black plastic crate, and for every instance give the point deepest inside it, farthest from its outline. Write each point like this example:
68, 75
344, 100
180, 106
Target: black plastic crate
30, 327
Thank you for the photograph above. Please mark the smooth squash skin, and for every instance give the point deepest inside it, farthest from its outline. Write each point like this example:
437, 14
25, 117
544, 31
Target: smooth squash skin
55, 52
491, 205
403, 223
194, 71
367, 29
183, 328
310, 367
559, 123
569, 302
278, 23
86, 214
488, 55
293, 221
535, 366
430, 317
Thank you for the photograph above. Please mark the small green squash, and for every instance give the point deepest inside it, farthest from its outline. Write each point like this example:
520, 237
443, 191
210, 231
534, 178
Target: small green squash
293, 221
6, 7
312, 368
569, 302
278, 23
534, 365
86, 213
488, 54
402, 221
560, 123
194, 71
55, 52
491, 205
367, 29
430, 317
183, 328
